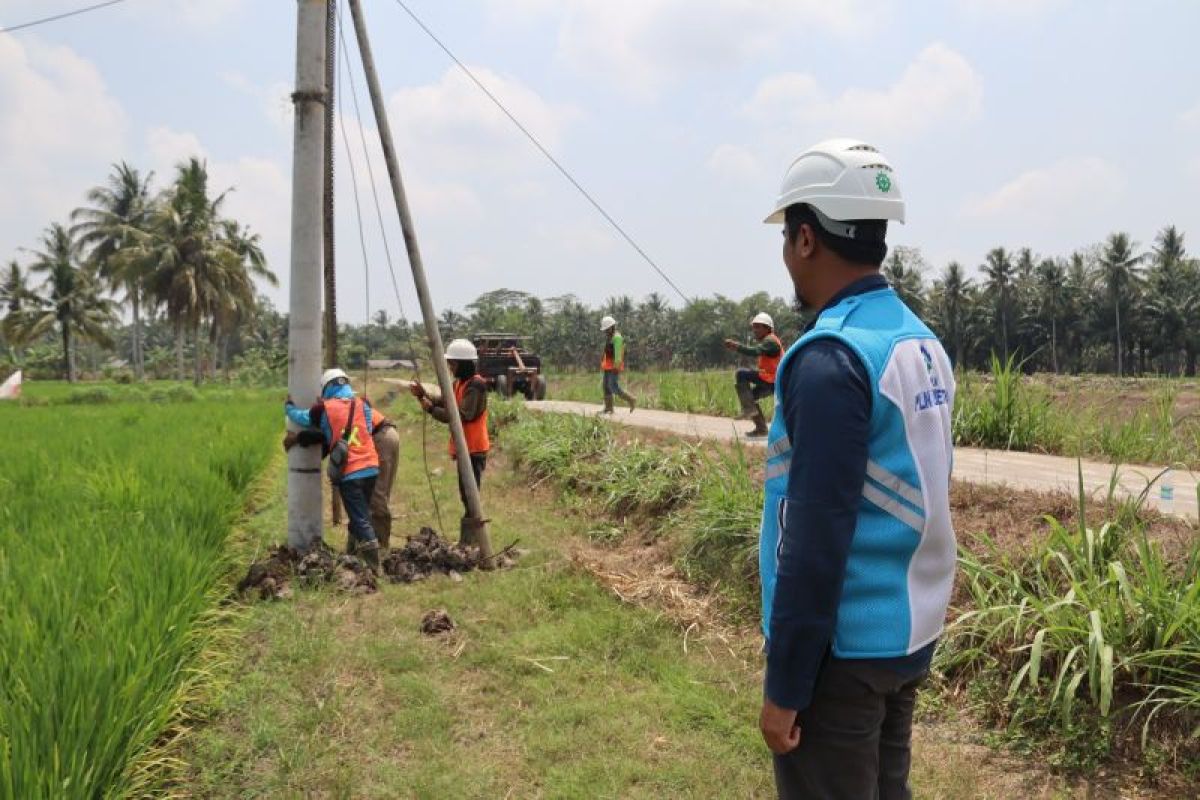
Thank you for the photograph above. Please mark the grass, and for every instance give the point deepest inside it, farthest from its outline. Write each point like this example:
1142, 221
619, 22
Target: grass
1093, 633
550, 686
710, 392
113, 522
47, 393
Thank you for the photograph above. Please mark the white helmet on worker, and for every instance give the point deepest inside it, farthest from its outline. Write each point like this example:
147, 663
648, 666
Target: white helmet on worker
842, 179
461, 350
763, 318
331, 375
607, 323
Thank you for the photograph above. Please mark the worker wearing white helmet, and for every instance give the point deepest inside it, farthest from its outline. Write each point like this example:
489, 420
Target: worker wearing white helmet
470, 393
346, 424
754, 384
612, 363
856, 551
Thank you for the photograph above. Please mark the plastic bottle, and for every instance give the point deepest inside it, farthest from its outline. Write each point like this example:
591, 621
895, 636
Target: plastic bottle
1166, 493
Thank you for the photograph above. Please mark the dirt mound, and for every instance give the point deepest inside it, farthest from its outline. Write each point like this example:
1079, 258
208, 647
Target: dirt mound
272, 577
436, 622
427, 554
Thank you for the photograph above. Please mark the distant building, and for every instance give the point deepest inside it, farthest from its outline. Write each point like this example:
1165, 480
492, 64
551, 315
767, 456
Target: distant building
390, 363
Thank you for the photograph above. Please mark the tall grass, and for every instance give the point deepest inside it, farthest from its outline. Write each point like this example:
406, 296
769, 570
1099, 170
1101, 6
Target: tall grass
112, 525
710, 392
1092, 632
1006, 413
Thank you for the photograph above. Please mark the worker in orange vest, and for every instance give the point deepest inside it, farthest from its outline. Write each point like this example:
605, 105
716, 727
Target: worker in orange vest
755, 384
612, 363
470, 393
339, 415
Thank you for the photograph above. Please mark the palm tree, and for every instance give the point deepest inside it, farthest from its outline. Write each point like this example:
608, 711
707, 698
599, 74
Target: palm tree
952, 289
238, 298
15, 298
1119, 268
999, 272
902, 269
190, 258
119, 211
1170, 296
73, 298
1051, 281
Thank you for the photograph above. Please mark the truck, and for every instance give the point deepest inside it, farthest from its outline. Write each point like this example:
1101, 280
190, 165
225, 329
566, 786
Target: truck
508, 366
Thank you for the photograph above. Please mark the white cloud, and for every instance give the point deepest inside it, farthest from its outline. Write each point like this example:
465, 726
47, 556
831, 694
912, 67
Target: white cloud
1191, 117
1015, 9
732, 162
939, 87
275, 99
643, 46
59, 132
1068, 188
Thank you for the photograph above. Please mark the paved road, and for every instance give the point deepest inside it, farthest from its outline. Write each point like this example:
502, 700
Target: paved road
1002, 467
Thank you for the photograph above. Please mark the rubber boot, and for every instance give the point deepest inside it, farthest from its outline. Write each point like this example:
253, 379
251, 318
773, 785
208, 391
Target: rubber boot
760, 425
746, 398
369, 553
608, 404
628, 398
351, 545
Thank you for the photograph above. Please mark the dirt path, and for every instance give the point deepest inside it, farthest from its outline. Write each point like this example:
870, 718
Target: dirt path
1029, 471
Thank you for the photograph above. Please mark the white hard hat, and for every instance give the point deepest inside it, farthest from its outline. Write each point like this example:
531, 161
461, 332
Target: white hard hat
331, 375
844, 179
607, 322
763, 318
461, 350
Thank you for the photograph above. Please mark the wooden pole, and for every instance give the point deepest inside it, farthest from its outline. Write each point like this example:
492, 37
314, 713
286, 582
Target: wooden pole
474, 530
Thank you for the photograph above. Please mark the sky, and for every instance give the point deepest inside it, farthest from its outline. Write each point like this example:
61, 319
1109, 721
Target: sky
1040, 123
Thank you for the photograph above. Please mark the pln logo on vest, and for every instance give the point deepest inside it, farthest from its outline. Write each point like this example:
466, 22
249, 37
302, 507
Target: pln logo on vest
936, 395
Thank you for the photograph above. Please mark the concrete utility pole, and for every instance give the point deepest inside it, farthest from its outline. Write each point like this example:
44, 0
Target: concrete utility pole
304, 322
474, 530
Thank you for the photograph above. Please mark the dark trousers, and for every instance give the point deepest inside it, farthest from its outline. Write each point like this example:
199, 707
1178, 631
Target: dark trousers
478, 465
855, 737
356, 498
758, 387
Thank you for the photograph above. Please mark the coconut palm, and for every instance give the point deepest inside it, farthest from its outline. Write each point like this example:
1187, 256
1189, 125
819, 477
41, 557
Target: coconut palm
119, 211
951, 291
15, 298
1119, 270
71, 298
999, 287
1051, 283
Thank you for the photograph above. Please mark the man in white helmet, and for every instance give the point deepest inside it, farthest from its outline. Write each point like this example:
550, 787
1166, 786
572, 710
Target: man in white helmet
340, 415
470, 392
612, 364
857, 551
754, 384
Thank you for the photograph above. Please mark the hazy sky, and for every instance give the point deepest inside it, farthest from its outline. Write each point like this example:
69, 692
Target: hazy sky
1044, 123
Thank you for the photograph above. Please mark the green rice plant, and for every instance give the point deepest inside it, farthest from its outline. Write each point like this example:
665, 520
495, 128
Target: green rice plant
1094, 627
113, 522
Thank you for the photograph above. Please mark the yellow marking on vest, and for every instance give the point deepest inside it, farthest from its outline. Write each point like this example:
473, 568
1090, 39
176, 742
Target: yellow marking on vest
354, 441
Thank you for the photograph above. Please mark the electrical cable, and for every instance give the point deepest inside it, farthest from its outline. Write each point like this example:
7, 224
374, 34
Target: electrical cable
34, 22
534, 140
387, 250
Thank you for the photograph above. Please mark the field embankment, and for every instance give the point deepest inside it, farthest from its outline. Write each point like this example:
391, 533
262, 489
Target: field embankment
113, 526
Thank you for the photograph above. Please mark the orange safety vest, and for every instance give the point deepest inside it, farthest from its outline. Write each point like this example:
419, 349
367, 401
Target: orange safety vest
475, 431
607, 363
362, 447
768, 365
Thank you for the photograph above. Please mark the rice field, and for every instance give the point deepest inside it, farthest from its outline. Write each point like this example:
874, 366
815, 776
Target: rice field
113, 525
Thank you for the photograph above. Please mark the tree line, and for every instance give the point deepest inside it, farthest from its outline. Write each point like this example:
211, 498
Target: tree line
172, 252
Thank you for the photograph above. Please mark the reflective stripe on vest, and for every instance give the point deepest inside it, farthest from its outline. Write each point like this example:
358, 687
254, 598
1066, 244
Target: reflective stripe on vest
769, 365
362, 446
476, 430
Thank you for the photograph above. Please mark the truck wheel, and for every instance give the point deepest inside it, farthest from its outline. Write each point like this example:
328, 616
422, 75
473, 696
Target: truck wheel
539, 388
502, 386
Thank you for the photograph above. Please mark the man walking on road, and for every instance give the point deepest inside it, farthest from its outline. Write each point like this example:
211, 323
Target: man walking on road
755, 384
857, 551
612, 364
339, 415
470, 392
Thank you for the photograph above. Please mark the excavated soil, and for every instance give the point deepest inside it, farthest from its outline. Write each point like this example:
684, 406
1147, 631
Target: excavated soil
428, 554
272, 577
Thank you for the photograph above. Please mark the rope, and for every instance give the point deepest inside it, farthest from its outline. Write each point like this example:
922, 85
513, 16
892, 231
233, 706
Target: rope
349, 72
56, 17
534, 140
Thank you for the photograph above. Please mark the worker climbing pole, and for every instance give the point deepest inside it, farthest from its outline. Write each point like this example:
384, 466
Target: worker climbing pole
475, 530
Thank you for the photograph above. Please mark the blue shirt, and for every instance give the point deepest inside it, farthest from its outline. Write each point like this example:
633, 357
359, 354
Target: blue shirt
827, 383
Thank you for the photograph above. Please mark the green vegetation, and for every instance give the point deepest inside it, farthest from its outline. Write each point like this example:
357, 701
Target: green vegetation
1091, 634
1071, 643
113, 524
44, 393
709, 392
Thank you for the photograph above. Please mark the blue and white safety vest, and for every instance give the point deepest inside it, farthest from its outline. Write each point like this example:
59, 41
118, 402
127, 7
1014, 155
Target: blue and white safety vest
900, 569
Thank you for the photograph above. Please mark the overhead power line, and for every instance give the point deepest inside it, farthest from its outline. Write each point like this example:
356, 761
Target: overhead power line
57, 17
534, 140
